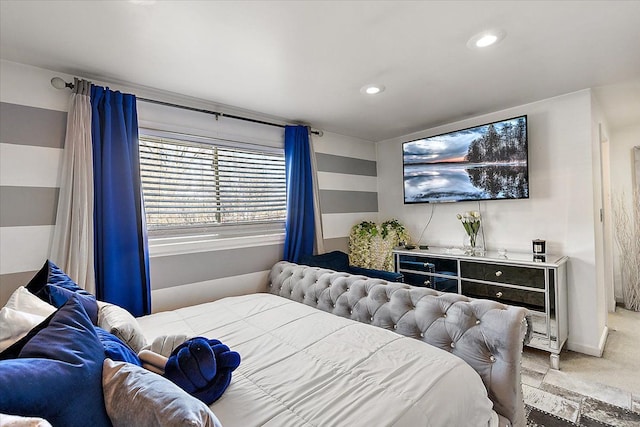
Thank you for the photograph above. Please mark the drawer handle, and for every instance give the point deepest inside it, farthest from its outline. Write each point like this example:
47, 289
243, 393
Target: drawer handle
427, 282
498, 273
499, 294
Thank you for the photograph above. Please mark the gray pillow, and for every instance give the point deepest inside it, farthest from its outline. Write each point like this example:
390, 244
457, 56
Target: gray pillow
122, 324
134, 396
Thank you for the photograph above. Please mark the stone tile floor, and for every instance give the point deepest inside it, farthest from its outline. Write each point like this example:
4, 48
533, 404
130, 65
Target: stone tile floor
573, 400
581, 392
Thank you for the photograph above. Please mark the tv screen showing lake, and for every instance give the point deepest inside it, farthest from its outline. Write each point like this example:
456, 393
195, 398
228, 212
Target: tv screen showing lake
480, 163
456, 182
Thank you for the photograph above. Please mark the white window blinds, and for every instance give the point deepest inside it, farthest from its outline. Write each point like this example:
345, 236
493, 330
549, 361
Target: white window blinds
188, 185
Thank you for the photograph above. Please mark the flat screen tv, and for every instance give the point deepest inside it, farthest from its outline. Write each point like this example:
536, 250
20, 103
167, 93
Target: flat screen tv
486, 162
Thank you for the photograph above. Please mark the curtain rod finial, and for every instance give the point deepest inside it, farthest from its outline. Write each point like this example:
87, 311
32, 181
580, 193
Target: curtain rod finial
58, 83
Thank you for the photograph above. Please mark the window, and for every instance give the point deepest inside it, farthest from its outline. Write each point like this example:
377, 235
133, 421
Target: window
195, 187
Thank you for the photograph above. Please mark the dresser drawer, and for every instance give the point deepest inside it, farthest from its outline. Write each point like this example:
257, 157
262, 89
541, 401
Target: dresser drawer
428, 264
500, 273
442, 284
529, 299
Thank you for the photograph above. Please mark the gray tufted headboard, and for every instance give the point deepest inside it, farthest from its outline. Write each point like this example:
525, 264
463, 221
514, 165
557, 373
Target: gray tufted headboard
485, 334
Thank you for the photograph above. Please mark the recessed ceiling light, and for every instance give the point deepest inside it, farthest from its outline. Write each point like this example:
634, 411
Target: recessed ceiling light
372, 89
485, 39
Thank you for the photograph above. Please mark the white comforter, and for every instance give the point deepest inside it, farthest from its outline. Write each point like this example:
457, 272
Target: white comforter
304, 367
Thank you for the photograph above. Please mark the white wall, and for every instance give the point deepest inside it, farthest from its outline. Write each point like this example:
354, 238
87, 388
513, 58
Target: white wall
561, 208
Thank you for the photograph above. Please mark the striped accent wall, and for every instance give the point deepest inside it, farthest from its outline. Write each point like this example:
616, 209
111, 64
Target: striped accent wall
348, 183
31, 145
32, 131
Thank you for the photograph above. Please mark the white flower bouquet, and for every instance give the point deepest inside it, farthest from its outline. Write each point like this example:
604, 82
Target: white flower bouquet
471, 221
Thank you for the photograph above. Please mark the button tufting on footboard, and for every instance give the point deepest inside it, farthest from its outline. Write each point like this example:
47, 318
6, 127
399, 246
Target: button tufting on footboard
291, 281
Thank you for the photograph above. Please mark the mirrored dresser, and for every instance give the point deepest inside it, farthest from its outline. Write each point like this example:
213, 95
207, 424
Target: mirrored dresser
535, 282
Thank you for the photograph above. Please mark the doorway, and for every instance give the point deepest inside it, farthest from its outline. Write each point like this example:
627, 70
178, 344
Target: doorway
606, 219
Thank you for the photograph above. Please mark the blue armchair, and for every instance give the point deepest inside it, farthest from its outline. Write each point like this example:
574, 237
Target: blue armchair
339, 261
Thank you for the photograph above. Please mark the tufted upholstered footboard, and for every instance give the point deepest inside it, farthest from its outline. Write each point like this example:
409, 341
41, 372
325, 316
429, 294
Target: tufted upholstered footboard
485, 334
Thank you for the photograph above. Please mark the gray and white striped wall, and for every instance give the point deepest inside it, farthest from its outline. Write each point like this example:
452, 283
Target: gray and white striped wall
32, 130
348, 183
31, 143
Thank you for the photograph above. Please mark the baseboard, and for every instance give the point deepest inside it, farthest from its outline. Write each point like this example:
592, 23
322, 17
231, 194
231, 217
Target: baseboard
589, 350
603, 340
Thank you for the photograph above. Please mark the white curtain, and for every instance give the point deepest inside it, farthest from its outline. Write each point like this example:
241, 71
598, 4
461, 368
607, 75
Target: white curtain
636, 178
319, 241
72, 246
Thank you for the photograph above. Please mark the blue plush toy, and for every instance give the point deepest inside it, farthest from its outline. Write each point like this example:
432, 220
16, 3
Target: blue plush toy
202, 368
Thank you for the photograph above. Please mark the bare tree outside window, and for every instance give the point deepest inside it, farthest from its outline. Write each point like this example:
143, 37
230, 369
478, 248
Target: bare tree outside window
190, 185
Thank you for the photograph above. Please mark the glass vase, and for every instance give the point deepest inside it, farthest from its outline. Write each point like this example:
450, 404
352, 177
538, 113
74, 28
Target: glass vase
473, 244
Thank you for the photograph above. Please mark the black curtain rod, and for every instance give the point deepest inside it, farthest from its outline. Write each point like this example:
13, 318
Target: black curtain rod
219, 114
58, 83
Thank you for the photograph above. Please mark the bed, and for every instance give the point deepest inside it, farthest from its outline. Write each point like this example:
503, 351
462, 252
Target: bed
322, 348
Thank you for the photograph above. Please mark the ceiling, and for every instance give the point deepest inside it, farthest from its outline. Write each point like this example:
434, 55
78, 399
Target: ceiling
306, 61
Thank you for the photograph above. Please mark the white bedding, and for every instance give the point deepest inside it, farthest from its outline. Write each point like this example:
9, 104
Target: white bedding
304, 367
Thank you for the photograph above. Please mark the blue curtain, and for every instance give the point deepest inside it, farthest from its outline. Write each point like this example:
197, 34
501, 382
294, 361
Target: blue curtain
121, 252
300, 225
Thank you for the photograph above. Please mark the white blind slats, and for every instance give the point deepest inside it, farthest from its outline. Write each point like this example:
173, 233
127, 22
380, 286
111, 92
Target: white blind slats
189, 185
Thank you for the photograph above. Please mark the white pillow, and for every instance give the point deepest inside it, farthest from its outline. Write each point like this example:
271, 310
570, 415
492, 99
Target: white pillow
15, 325
22, 313
25, 301
165, 344
7, 420
122, 324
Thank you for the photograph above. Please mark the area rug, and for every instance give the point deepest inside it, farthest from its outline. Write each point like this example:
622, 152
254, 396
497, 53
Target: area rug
593, 413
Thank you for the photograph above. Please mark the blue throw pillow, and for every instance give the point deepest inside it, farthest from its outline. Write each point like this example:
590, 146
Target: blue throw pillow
58, 296
115, 349
53, 286
58, 372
